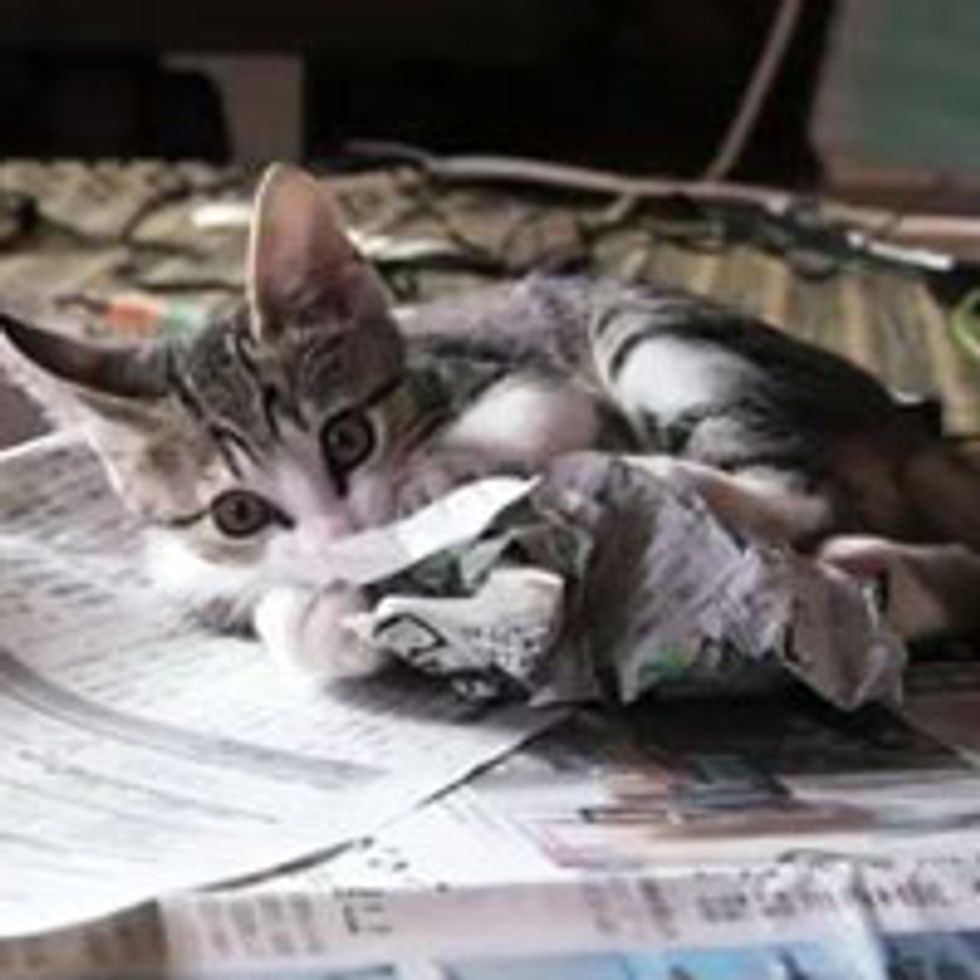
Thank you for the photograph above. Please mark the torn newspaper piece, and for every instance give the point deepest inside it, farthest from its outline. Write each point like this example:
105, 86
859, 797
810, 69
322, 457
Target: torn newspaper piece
603, 580
140, 755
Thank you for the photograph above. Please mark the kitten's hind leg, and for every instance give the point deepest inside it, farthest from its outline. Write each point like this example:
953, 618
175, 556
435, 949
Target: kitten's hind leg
304, 629
764, 503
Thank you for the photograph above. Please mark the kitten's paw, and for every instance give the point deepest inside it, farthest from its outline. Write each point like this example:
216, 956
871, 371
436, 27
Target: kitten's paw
304, 629
910, 606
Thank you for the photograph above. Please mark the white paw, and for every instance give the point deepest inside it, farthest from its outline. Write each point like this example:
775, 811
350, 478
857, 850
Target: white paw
304, 629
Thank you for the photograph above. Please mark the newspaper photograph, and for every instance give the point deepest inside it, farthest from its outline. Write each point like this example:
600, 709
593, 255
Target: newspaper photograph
831, 847
139, 754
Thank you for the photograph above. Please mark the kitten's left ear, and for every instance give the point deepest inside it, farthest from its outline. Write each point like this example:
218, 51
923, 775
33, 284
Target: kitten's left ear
302, 266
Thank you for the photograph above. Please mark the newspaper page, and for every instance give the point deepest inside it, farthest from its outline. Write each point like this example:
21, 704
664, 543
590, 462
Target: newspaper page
688, 785
830, 921
755, 838
808, 848
139, 754
835, 921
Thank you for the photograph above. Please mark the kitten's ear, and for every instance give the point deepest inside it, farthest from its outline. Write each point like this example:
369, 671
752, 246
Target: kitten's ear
116, 381
121, 400
302, 267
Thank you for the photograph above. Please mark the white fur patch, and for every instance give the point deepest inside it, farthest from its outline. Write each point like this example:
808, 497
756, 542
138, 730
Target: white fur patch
666, 376
181, 572
527, 419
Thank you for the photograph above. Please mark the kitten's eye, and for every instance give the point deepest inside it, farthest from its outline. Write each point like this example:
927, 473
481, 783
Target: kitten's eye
347, 440
240, 514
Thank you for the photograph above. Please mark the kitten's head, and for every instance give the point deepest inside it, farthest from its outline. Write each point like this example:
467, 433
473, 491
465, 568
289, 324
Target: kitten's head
256, 443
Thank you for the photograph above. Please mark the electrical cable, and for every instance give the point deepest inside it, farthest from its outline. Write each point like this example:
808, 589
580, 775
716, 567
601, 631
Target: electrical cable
756, 92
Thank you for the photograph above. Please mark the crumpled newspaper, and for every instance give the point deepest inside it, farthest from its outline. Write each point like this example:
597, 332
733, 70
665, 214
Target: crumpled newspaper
600, 580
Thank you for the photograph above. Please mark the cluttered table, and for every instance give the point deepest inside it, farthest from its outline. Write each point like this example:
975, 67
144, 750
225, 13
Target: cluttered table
144, 247
769, 835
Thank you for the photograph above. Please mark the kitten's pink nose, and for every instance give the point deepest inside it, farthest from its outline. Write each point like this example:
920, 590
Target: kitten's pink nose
327, 527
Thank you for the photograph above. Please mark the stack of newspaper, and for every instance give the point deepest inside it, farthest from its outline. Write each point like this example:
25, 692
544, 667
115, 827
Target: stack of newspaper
141, 760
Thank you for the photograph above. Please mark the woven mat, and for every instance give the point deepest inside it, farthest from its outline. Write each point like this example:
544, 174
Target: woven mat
112, 228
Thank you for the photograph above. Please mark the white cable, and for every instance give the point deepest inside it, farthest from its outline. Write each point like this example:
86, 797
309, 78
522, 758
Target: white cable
756, 92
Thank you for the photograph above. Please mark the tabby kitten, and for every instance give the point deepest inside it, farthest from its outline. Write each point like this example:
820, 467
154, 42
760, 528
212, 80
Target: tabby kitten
314, 413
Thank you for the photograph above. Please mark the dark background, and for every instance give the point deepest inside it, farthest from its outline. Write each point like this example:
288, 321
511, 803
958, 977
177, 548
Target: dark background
645, 85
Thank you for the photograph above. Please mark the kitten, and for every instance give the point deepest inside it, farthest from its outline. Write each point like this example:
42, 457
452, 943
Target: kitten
315, 413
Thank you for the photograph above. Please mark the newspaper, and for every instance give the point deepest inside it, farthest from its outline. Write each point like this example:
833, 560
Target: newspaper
139, 754
601, 579
829, 921
753, 838
140, 757
826, 922
777, 842
670, 787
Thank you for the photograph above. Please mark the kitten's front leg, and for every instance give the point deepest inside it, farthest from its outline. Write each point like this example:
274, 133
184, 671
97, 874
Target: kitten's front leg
304, 629
516, 427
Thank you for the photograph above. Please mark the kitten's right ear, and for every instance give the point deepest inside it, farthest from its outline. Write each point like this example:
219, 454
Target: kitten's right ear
120, 383
120, 398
